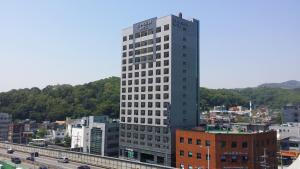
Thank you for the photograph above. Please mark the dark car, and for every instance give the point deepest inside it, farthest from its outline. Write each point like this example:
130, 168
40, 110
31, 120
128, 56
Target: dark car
83, 167
35, 154
10, 151
30, 158
16, 160
43, 167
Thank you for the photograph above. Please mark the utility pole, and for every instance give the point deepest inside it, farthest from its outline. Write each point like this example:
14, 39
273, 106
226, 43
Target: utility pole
263, 163
208, 157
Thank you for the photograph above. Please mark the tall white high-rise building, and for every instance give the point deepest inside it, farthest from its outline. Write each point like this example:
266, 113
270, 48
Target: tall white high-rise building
159, 86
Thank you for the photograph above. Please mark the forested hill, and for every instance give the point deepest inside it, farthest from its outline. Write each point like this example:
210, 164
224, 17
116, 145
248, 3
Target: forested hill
102, 97
57, 102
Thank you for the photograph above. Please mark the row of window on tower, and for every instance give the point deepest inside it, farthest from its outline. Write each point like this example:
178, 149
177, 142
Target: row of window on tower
143, 104
145, 33
143, 81
150, 72
143, 112
158, 96
142, 120
146, 42
150, 88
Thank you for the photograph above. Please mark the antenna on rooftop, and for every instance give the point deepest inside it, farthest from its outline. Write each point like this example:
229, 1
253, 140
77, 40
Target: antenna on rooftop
180, 15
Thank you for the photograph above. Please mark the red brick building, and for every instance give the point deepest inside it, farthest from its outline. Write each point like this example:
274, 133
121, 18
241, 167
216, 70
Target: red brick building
227, 150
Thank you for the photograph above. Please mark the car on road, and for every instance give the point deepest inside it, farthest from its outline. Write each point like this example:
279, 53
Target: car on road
35, 154
10, 151
31, 158
16, 160
43, 167
83, 167
63, 160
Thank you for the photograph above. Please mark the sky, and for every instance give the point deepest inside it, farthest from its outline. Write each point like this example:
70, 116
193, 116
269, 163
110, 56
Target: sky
242, 43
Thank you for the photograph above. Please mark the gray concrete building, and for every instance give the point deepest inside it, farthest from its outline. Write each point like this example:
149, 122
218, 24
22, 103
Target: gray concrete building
159, 86
286, 130
5, 120
291, 113
288, 135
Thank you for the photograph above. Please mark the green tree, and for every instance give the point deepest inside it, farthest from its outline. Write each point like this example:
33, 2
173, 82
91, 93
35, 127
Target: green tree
67, 141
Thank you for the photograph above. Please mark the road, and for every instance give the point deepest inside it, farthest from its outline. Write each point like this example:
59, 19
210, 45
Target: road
46, 161
26, 165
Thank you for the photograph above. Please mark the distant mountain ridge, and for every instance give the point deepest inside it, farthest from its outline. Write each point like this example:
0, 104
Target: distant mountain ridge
291, 84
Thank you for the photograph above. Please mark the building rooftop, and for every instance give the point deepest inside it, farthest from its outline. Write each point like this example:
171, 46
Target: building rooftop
222, 131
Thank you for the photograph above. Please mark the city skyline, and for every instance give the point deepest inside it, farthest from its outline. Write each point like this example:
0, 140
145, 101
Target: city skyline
242, 44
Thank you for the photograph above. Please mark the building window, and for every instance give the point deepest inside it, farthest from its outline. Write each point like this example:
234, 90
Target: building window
130, 46
198, 142
190, 154
223, 144
166, 71
157, 96
166, 37
234, 144
207, 157
234, 158
158, 48
157, 80
150, 80
244, 144
166, 63
166, 27
150, 65
157, 121
166, 46
223, 158
158, 40
207, 143
157, 88
190, 141
181, 152
130, 37
166, 87
124, 47
158, 72
244, 159
198, 155
181, 140
158, 29
166, 95
158, 64
150, 88
124, 38
150, 72
166, 54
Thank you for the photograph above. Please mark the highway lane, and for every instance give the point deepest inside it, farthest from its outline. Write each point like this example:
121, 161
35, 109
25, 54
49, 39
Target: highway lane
47, 160
26, 165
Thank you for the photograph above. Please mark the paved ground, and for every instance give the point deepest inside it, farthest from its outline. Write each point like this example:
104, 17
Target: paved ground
44, 160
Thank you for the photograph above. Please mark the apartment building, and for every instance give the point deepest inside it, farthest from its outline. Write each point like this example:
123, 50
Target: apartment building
159, 86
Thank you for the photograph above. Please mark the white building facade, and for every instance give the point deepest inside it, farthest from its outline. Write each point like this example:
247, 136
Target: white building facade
159, 86
95, 134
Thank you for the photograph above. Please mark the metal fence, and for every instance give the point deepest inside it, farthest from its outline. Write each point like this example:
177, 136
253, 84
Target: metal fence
95, 160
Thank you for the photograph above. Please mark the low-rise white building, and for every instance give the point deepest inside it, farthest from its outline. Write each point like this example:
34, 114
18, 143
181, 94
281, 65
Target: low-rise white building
95, 135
